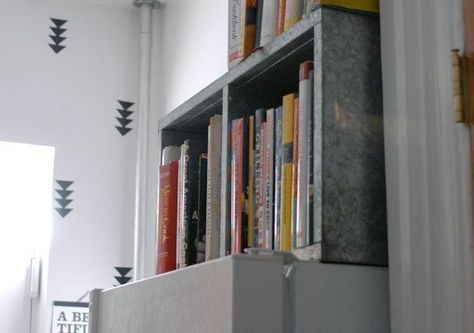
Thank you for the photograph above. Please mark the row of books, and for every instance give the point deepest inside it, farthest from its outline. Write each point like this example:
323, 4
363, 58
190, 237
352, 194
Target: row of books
188, 227
271, 185
272, 174
255, 23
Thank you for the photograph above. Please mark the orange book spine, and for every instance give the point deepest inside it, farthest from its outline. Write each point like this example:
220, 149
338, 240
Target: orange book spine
281, 17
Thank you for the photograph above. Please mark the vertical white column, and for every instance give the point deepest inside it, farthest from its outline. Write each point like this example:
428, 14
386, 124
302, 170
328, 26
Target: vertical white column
141, 209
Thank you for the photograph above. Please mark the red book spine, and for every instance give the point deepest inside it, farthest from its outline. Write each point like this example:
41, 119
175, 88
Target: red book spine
236, 185
167, 218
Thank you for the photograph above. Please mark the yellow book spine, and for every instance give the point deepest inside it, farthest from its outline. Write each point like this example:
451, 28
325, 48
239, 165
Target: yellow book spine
363, 5
287, 171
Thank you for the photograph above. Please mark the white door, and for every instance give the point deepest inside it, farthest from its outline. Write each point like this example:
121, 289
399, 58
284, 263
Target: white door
26, 176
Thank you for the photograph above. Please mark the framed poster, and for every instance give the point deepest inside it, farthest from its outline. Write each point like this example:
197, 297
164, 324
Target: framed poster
70, 317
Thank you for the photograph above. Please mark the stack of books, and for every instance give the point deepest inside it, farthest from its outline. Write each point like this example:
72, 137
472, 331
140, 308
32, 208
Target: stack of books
188, 227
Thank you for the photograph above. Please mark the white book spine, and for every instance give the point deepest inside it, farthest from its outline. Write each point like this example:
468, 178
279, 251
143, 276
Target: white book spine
269, 167
235, 33
180, 225
293, 12
213, 187
269, 21
303, 149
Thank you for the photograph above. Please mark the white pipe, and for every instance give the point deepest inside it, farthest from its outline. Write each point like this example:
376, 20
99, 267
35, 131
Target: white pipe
146, 8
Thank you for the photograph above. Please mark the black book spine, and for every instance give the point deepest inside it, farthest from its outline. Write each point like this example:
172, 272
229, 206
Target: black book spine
191, 176
201, 208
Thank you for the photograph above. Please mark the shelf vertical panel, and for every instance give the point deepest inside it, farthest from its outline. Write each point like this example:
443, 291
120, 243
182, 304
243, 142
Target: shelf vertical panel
338, 298
349, 116
236, 294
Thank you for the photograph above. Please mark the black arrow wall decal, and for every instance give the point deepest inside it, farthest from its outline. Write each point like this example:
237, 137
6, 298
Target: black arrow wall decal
124, 120
57, 38
63, 200
123, 271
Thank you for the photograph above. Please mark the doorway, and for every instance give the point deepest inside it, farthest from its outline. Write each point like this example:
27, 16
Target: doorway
26, 183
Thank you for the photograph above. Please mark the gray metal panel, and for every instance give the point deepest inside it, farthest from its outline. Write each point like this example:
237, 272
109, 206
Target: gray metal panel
352, 157
258, 296
210, 297
332, 298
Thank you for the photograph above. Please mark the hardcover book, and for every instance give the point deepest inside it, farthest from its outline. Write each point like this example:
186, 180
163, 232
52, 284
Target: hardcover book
281, 16
304, 119
251, 187
295, 175
268, 22
213, 200
239, 167
293, 13
201, 208
268, 180
242, 30
286, 171
167, 218
188, 202
259, 176
278, 164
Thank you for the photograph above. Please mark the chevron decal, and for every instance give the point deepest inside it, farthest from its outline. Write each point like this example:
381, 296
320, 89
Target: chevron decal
63, 201
123, 119
123, 271
57, 32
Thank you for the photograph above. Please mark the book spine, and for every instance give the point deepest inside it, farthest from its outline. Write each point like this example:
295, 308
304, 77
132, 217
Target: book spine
269, 22
190, 205
310, 196
281, 16
294, 218
278, 164
304, 143
180, 230
293, 12
213, 187
167, 218
201, 206
269, 167
248, 22
234, 37
286, 171
251, 187
238, 187
259, 176
307, 7
235, 186
258, 33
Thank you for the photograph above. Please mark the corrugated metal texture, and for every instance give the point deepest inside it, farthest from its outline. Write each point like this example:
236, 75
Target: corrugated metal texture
427, 161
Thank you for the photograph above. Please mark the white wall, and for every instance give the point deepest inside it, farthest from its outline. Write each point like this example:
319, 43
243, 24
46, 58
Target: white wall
68, 100
192, 52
